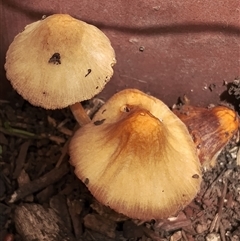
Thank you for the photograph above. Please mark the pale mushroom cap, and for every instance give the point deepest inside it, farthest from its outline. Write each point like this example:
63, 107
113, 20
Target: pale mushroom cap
137, 157
38, 74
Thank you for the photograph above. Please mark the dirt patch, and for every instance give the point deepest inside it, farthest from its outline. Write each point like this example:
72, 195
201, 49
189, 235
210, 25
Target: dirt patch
39, 191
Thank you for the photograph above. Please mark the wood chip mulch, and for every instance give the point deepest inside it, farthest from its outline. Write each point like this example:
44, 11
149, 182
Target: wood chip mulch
41, 198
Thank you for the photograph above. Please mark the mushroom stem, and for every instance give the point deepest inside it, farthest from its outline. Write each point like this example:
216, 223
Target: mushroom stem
80, 114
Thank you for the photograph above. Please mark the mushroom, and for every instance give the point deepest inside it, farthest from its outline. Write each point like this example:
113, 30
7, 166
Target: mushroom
211, 129
137, 157
60, 61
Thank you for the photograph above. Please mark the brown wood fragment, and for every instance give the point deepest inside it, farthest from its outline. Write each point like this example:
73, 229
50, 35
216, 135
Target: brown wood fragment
3, 139
131, 230
23, 179
59, 140
211, 185
51, 121
187, 236
107, 212
222, 232
33, 222
65, 148
221, 203
45, 194
36, 185
176, 236
21, 159
75, 208
66, 131
64, 152
173, 224
59, 204
100, 224
152, 235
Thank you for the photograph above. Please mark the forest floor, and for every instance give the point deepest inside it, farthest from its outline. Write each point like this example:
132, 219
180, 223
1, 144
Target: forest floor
38, 188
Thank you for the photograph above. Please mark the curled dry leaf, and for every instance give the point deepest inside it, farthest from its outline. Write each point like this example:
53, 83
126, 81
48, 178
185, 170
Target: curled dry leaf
211, 129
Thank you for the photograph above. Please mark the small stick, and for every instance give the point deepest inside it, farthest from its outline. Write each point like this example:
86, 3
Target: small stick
222, 232
28, 135
75, 216
22, 134
220, 206
213, 224
64, 153
49, 178
184, 236
151, 234
21, 159
211, 185
65, 148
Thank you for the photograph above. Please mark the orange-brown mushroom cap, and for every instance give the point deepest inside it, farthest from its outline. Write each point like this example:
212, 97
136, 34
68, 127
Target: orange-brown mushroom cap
59, 61
211, 129
137, 157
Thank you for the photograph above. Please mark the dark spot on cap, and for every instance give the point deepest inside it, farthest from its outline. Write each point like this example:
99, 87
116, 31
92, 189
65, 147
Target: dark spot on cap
88, 72
126, 109
55, 59
96, 87
86, 181
162, 190
98, 122
103, 111
196, 176
44, 93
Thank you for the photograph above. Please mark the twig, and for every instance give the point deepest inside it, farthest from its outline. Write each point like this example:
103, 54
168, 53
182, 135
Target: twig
65, 148
211, 185
151, 234
29, 135
65, 131
49, 178
61, 124
75, 208
18, 131
220, 207
213, 224
21, 159
222, 232
19, 134
184, 236
63, 154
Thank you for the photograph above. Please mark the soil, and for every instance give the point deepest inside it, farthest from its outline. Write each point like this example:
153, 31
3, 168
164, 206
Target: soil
41, 198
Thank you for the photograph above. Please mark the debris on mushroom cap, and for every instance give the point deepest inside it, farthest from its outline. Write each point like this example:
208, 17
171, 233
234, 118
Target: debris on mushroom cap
58, 61
211, 129
137, 157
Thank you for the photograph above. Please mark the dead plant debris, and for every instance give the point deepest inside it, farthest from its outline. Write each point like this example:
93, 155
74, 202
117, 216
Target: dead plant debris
39, 191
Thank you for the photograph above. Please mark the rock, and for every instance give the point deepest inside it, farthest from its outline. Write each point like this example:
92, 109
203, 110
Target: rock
213, 237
